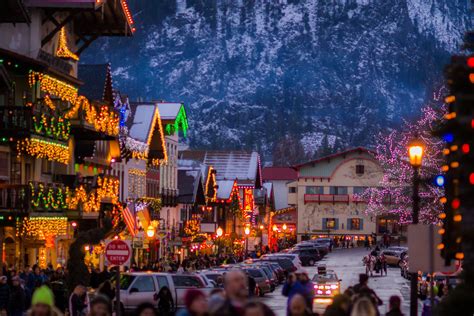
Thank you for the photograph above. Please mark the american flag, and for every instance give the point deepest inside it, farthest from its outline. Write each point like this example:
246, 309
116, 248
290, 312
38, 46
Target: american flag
130, 220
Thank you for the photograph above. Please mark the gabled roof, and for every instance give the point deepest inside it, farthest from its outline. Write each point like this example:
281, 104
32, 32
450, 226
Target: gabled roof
230, 165
279, 173
97, 82
146, 127
224, 189
174, 117
335, 155
190, 187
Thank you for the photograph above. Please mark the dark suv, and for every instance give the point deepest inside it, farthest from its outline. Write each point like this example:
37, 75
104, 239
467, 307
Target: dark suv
308, 257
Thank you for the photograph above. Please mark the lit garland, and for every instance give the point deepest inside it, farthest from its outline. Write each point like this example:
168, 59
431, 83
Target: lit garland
181, 122
192, 227
211, 188
157, 121
154, 203
48, 126
53, 86
107, 188
63, 50
49, 102
139, 149
48, 198
137, 181
248, 202
42, 228
104, 120
128, 14
44, 149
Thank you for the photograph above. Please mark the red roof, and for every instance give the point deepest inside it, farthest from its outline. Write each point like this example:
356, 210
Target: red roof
341, 153
279, 173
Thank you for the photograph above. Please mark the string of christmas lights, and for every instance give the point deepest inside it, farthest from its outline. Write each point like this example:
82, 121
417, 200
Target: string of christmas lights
48, 198
211, 189
42, 228
63, 50
181, 122
44, 149
157, 120
107, 188
48, 125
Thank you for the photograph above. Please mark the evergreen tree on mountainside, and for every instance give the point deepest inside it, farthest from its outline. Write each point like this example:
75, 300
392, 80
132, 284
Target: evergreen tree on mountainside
250, 72
288, 151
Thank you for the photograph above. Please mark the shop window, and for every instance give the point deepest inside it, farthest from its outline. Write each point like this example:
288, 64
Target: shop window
330, 223
338, 190
360, 169
144, 284
292, 190
314, 190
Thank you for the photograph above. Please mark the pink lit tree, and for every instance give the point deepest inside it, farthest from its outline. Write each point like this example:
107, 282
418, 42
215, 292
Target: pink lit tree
394, 193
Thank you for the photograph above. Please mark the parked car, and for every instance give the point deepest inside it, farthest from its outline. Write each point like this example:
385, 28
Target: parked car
393, 257
263, 285
285, 263
293, 257
321, 247
402, 249
140, 287
308, 257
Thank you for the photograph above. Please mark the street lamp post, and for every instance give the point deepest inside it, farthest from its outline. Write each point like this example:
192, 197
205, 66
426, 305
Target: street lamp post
247, 233
415, 155
219, 233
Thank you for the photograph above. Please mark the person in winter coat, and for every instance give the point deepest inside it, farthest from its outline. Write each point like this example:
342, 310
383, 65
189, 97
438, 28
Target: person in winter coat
165, 302
4, 295
394, 304
17, 302
292, 287
196, 304
77, 301
42, 303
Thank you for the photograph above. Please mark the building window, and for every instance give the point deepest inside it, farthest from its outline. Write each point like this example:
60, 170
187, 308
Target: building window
338, 190
183, 214
314, 190
292, 190
355, 224
359, 190
4, 165
330, 223
360, 169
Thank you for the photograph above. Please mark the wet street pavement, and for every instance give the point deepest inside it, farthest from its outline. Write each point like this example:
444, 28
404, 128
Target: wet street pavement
348, 265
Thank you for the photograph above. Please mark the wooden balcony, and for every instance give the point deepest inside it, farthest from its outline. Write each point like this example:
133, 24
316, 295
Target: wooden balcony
326, 198
15, 198
22, 122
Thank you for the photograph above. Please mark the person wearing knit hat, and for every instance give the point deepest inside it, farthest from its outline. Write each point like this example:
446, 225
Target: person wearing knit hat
196, 303
42, 303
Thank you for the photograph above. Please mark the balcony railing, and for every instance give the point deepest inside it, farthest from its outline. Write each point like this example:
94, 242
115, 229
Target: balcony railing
21, 121
340, 198
326, 198
15, 198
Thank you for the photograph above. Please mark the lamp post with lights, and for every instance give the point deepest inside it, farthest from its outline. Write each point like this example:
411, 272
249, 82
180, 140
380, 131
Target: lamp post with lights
247, 233
416, 150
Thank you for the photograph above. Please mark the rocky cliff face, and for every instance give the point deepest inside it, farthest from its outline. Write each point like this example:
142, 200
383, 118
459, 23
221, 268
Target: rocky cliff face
250, 72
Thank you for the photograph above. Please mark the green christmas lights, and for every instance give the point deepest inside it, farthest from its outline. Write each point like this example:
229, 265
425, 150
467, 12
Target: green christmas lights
47, 198
59, 129
180, 123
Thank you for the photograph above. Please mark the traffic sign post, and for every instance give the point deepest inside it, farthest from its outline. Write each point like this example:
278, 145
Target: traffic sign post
117, 253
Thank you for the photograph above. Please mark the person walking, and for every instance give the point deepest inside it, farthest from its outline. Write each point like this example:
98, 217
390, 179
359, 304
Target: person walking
165, 302
100, 306
4, 295
146, 309
394, 304
107, 290
195, 302
17, 300
77, 301
235, 286
298, 307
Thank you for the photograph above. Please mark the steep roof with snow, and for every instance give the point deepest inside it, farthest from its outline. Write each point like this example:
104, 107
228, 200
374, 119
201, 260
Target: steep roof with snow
230, 165
142, 122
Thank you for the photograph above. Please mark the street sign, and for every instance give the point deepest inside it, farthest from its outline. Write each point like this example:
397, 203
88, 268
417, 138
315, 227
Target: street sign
118, 252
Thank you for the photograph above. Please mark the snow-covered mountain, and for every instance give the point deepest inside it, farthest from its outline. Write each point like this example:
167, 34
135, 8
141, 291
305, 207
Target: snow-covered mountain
252, 71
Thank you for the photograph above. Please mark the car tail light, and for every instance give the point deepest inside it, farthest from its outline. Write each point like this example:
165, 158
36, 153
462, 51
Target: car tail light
334, 286
328, 292
320, 292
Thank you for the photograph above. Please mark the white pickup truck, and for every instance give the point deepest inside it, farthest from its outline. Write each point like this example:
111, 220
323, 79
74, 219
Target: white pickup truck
140, 287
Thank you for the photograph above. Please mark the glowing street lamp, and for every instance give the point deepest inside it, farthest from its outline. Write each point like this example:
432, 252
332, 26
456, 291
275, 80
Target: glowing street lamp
261, 227
274, 228
247, 230
150, 232
219, 232
247, 233
284, 227
416, 149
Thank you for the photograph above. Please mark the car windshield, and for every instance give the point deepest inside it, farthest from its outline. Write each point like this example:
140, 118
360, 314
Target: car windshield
213, 277
322, 278
126, 280
255, 273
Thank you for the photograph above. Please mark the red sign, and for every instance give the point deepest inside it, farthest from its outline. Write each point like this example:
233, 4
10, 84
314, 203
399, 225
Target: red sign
118, 252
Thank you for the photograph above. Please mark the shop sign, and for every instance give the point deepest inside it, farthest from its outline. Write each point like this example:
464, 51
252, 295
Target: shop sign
138, 244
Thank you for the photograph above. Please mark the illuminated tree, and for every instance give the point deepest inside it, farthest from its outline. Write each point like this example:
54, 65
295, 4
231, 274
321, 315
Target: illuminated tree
394, 193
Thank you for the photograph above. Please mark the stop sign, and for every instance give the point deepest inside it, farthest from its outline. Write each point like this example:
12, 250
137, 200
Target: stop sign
117, 252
